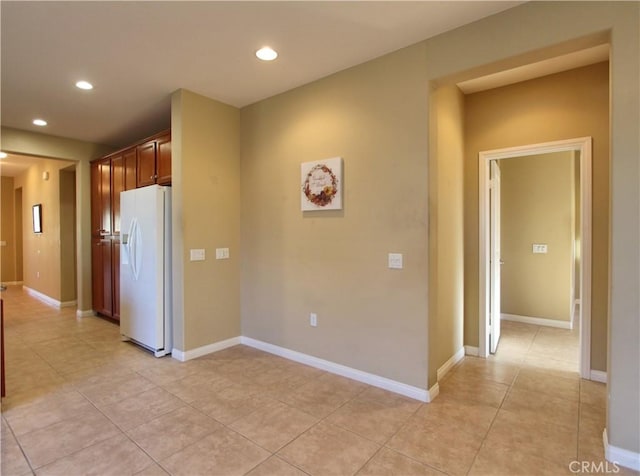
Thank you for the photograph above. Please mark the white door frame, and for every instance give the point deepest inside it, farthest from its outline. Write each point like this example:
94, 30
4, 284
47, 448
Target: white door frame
582, 145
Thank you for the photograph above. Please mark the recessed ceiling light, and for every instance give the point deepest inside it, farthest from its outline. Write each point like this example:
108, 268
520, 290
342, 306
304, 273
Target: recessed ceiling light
3, 155
84, 85
40, 122
266, 54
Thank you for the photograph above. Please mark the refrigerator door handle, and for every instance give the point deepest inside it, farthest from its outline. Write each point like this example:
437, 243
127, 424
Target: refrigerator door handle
133, 247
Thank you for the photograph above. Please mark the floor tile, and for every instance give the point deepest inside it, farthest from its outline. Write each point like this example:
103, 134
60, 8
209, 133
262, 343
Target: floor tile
441, 446
224, 453
322, 396
46, 411
388, 463
372, 420
326, 449
548, 384
112, 457
230, 403
48, 444
116, 390
141, 408
467, 416
274, 425
12, 460
560, 411
173, 432
275, 466
498, 460
524, 433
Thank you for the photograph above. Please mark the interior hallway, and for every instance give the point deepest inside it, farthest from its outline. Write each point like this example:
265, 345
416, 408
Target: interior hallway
80, 402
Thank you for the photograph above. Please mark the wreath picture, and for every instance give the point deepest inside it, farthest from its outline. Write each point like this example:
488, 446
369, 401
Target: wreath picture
321, 185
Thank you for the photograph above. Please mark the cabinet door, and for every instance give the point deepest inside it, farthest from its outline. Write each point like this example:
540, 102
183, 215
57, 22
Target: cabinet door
101, 197
130, 167
115, 264
96, 212
117, 186
146, 160
163, 160
102, 277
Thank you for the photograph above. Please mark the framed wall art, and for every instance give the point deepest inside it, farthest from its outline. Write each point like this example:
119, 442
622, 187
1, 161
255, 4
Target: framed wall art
37, 218
321, 185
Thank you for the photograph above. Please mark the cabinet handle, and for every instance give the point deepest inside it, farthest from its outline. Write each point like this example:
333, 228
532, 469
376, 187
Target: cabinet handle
98, 244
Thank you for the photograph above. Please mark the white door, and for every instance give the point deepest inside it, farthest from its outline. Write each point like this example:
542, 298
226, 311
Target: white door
495, 260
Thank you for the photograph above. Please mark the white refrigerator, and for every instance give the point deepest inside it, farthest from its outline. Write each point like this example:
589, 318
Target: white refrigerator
145, 268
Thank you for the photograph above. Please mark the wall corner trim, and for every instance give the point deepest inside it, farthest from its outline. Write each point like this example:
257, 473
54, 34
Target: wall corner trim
183, 356
598, 376
338, 369
87, 313
471, 350
620, 456
433, 392
449, 364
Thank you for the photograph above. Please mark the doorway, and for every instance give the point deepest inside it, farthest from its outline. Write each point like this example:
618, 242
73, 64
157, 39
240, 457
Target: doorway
490, 273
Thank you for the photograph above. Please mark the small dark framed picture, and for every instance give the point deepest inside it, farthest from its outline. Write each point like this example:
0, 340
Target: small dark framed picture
37, 218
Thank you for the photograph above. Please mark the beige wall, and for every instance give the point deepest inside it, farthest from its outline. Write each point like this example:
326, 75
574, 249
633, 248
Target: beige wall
560, 106
46, 146
334, 263
538, 30
206, 205
446, 234
68, 282
7, 232
42, 264
537, 207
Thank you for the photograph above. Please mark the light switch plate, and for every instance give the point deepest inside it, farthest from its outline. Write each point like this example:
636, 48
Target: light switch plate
222, 253
197, 255
539, 248
395, 260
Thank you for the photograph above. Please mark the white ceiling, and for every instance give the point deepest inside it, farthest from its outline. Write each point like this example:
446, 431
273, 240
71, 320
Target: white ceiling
137, 53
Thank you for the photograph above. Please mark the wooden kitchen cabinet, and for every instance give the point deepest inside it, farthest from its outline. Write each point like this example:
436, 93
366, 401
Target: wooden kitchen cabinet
154, 161
145, 163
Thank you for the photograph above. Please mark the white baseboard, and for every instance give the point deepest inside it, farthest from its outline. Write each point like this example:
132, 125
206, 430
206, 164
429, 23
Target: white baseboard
12, 283
539, 321
620, 456
338, 369
472, 351
88, 313
69, 304
448, 365
43, 297
183, 356
433, 392
598, 376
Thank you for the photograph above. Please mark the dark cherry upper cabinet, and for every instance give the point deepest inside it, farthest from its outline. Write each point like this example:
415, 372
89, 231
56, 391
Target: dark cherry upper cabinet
163, 160
117, 186
154, 161
101, 218
130, 168
146, 164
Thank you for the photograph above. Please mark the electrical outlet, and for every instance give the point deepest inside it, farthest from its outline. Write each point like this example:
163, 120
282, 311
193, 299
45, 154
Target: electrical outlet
313, 319
395, 260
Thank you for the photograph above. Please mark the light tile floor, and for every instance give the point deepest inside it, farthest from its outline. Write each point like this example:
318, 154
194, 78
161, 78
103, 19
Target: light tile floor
80, 402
